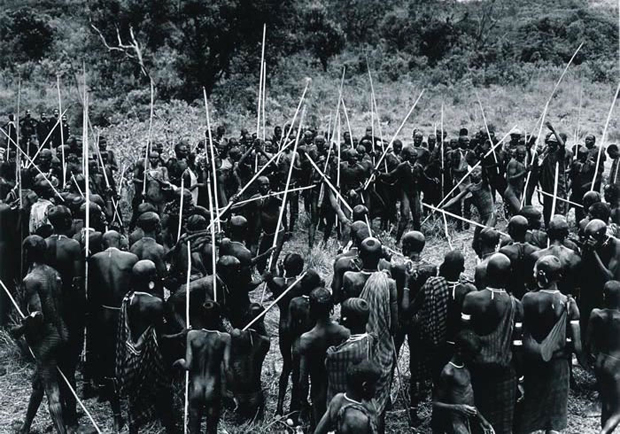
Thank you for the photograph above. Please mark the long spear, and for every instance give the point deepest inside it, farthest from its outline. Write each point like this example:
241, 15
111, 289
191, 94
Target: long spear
301, 100
62, 135
181, 208
148, 143
17, 132
473, 222
87, 195
389, 146
49, 134
278, 193
260, 92
187, 326
288, 183
600, 148
329, 184
262, 314
555, 188
215, 190
213, 259
486, 127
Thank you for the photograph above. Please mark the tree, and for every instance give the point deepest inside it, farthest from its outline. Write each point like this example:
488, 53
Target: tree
25, 35
323, 36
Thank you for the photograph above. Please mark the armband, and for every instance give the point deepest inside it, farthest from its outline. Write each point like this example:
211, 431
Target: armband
406, 289
465, 317
518, 343
574, 322
518, 324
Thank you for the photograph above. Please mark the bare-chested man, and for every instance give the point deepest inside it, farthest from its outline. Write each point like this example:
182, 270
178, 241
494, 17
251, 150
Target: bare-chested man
481, 198
492, 314
600, 263
109, 276
515, 176
349, 260
312, 349
520, 253
45, 330
291, 268
571, 261
65, 255
247, 354
353, 412
603, 346
207, 352
453, 397
487, 247
547, 316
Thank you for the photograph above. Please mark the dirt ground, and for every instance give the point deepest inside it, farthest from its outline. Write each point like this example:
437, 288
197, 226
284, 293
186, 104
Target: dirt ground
16, 371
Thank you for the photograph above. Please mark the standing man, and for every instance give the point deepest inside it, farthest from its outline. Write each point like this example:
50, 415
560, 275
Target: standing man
553, 161
492, 314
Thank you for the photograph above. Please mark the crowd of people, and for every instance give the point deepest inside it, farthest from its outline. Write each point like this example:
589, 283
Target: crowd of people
165, 277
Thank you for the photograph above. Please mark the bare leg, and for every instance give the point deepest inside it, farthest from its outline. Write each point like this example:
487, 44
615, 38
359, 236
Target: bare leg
213, 416
33, 405
287, 366
195, 413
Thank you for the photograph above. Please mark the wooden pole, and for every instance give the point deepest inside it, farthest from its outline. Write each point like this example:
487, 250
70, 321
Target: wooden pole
263, 117
472, 222
329, 184
42, 144
148, 142
213, 258
283, 206
214, 171
443, 158
187, 326
62, 134
181, 208
288, 132
262, 314
555, 188
486, 127
291, 190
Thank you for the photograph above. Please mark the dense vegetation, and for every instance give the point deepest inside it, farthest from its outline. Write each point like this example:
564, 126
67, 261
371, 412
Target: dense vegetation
189, 44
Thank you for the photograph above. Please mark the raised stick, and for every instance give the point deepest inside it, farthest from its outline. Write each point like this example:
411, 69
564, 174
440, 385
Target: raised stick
288, 132
187, 326
600, 148
42, 144
561, 199
443, 211
372, 177
486, 127
469, 172
555, 188
62, 135
148, 142
181, 208
278, 193
215, 191
329, 184
283, 206
213, 259
542, 121
262, 314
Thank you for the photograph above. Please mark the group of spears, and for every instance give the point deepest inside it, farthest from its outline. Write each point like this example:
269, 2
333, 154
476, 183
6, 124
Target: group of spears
160, 273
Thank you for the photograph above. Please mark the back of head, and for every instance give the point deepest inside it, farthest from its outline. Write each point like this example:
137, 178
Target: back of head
413, 242
355, 312
547, 270
370, 252
228, 265
532, 215
321, 303
611, 294
590, 198
144, 272
359, 232
196, 223
600, 210
238, 226
558, 228
517, 228
111, 239
489, 238
293, 264
453, 264
363, 377
60, 217
148, 222
498, 270
34, 248
311, 281
359, 213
